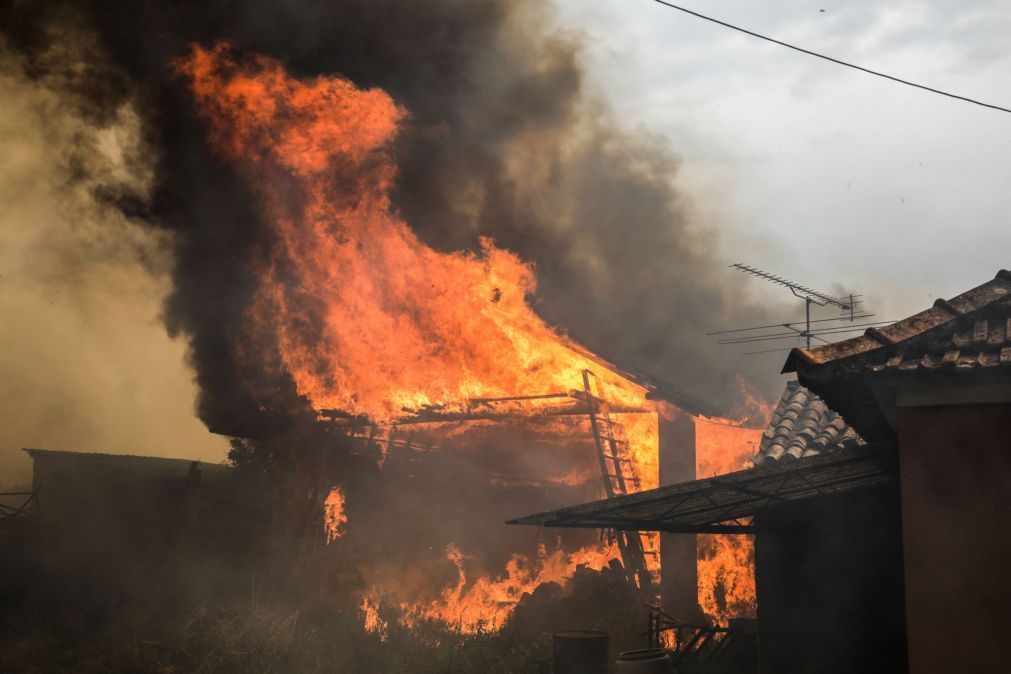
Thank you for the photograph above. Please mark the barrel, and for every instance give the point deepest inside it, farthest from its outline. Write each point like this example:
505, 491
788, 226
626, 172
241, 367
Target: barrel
581, 652
645, 661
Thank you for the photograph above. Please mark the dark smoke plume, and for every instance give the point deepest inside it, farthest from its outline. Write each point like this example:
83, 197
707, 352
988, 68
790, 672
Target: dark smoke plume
503, 141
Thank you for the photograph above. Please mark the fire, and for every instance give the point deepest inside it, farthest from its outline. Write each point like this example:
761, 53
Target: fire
365, 317
334, 518
723, 446
484, 603
726, 563
372, 621
726, 576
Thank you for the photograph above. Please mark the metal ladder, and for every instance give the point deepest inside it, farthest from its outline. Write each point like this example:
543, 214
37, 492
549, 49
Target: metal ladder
618, 474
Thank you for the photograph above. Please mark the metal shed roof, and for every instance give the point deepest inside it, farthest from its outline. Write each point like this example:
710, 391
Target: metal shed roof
719, 504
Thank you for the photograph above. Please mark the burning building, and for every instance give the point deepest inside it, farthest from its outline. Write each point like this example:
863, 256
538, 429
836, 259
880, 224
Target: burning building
417, 373
342, 271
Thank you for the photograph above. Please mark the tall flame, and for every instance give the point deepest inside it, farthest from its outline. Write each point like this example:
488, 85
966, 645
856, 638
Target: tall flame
363, 315
726, 563
366, 317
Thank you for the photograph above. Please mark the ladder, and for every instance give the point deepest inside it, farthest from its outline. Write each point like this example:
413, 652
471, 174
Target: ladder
619, 478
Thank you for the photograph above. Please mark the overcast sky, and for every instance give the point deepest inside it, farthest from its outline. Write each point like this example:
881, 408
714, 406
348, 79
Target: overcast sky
821, 173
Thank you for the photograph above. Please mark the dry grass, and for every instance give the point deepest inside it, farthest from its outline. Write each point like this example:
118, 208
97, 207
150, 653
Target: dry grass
250, 639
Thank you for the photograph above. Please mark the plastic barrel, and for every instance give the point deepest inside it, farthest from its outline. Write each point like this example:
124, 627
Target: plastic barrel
645, 661
581, 652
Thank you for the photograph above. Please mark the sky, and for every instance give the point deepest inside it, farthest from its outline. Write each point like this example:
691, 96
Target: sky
824, 175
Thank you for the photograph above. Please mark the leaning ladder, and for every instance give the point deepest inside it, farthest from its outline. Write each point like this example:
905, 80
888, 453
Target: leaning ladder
618, 475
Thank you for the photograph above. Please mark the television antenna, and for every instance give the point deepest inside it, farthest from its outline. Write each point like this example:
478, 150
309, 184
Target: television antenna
805, 330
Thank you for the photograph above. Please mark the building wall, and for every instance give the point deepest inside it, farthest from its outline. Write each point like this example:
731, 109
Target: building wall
955, 464
829, 585
679, 580
143, 506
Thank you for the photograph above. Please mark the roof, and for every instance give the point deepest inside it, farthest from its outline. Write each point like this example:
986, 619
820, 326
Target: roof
962, 341
803, 425
131, 462
958, 333
717, 504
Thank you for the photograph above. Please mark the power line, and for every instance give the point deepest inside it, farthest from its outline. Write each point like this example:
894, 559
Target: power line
828, 58
835, 330
786, 325
755, 353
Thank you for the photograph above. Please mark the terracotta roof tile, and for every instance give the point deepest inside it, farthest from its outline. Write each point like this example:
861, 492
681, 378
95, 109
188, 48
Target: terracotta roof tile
964, 333
803, 425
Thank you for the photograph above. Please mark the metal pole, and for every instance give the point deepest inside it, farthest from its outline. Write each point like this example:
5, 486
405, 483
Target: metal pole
807, 312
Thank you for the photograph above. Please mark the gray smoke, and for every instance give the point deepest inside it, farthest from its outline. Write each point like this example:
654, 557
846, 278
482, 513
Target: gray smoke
504, 140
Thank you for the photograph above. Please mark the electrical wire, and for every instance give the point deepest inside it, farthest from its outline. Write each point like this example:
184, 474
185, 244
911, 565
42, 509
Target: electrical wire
837, 329
829, 58
786, 325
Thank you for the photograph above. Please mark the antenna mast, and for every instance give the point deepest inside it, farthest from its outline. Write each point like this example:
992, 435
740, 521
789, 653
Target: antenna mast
803, 292
847, 304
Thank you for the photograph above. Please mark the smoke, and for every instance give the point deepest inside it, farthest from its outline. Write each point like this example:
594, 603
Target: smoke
86, 363
504, 140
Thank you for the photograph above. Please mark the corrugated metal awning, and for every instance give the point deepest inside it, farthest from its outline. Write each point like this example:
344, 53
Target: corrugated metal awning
725, 504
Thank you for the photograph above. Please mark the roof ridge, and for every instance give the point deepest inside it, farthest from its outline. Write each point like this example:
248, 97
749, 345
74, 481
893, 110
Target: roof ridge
941, 303
875, 333
942, 313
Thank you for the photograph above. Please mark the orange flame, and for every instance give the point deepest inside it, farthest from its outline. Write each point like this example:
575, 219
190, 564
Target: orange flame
726, 563
334, 518
364, 316
372, 621
726, 576
367, 318
484, 604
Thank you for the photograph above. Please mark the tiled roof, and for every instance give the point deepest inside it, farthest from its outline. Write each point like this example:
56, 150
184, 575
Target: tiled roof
983, 343
803, 425
972, 330
967, 338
